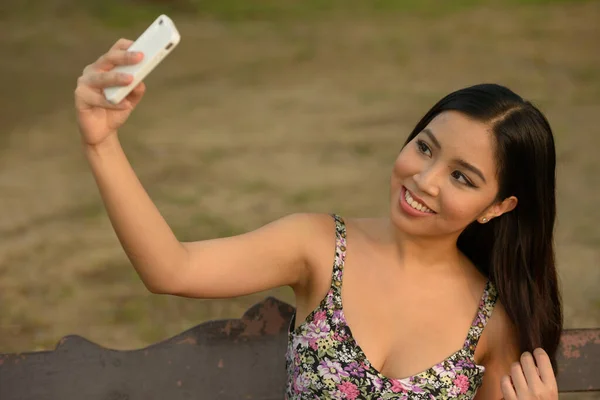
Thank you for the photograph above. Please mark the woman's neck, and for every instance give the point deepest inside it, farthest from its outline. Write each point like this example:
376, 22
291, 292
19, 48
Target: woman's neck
431, 252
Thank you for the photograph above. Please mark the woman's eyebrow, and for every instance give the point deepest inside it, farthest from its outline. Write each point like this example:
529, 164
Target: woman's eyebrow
470, 167
432, 137
458, 161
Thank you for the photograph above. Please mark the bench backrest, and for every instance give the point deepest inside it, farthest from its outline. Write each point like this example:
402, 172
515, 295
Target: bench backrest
226, 359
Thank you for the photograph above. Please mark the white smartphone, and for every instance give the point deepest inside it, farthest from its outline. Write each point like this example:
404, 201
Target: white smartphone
157, 41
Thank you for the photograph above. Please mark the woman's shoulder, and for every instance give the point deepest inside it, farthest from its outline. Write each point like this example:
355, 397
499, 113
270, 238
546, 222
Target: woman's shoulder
319, 236
500, 336
369, 228
323, 225
316, 230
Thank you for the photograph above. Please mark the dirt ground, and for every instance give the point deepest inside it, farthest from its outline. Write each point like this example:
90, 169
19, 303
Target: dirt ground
246, 122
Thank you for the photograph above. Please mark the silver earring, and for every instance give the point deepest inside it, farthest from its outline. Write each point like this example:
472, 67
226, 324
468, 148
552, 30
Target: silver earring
484, 220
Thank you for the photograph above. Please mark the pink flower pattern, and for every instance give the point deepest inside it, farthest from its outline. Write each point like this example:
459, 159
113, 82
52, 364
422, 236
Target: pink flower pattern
349, 390
462, 383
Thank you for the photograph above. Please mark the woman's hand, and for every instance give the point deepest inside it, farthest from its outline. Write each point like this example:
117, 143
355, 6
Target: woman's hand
98, 119
526, 381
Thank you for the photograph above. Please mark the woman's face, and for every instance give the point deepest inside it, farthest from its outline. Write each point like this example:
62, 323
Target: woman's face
448, 174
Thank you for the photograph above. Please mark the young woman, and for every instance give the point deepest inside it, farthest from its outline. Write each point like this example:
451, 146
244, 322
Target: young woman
467, 245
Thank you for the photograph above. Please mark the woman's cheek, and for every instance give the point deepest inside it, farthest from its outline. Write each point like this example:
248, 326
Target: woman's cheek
406, 165
458, 209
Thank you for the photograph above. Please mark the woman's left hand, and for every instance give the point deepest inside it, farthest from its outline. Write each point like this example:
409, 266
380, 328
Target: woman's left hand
526, 381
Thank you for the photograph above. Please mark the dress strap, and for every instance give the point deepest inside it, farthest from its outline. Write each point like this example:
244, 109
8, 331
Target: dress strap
486, 306
340, 256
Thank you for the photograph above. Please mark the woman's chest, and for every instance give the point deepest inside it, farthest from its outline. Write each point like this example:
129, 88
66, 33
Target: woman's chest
404, 328
324, 360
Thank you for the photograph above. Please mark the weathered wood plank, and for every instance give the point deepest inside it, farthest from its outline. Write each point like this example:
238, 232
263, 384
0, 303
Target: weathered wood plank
228, 359
579, 360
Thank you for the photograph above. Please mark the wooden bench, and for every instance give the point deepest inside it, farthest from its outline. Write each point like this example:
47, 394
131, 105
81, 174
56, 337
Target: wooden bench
227, 359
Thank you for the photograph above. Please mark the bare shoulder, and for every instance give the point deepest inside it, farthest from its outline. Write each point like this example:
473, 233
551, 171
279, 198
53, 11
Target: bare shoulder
307, 222
317, 231
304, 225
320, 234
320, 250
311, 229
370, 228
497, 351
323, 227
500, 342
313, 226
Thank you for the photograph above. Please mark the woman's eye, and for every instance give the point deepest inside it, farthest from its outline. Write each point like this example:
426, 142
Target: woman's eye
459, 176
423, 148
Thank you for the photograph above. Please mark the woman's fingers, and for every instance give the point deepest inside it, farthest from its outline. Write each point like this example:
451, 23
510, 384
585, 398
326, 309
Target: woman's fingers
117, 55
545, 368
100, 80
508, 391
86, 98
122, 44
136, 94
518, 379
530, 370
100, 75
528, 381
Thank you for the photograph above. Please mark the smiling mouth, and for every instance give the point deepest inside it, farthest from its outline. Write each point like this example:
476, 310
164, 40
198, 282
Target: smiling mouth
415, 204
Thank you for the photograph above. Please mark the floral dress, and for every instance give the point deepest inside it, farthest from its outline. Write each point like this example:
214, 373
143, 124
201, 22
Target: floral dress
324, 361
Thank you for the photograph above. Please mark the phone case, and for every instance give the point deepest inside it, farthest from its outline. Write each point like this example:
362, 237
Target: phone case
157, 41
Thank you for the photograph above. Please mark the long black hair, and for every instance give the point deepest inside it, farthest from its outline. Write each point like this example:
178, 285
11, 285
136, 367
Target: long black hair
516, 249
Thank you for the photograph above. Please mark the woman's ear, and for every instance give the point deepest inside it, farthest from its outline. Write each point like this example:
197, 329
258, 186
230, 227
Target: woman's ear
505, 206
498, 209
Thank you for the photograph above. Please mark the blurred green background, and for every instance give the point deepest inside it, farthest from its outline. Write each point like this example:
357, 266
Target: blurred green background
266, 108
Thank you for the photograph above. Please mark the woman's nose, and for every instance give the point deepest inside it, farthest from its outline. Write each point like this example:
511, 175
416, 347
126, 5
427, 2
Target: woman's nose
427, 181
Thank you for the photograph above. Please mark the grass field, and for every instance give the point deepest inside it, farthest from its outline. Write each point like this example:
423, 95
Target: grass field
262, 112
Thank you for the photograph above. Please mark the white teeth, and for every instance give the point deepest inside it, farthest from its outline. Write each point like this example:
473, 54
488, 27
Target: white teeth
414, 204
